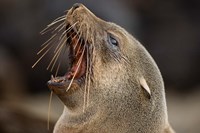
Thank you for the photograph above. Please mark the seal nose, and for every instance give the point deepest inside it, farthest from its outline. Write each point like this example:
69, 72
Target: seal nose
76, 5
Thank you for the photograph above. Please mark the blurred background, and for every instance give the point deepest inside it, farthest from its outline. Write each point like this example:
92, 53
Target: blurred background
170, 30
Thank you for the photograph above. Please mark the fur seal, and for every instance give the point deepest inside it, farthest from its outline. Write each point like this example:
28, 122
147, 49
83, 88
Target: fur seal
112, 84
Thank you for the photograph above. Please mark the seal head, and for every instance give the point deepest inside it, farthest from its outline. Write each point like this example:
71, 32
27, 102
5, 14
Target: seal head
112, 84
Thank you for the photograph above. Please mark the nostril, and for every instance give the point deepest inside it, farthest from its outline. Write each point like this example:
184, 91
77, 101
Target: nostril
76, 5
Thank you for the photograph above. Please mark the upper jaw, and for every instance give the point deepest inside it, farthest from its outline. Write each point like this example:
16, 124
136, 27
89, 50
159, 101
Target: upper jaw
77, 63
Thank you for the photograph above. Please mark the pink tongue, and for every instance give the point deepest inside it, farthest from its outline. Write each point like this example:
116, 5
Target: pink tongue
80, 71
73, 71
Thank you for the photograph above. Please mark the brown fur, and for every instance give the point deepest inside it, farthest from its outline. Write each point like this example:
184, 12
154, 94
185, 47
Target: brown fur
119, 101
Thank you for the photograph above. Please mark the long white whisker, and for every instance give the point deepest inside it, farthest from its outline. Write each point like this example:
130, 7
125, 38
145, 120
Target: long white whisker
89, 73
63, 34
58, 67
72, 26
49, 109
79, 48
79, 63
54, 57
64, 39
48, 28
78, 37
59, 18
49, 40
62, 25
41, 58
85, 90
55, 22
86, 82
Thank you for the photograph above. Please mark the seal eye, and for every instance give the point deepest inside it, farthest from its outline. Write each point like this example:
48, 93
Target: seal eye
112, 40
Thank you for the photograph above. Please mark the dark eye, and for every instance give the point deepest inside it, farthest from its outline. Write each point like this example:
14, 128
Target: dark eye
112, 40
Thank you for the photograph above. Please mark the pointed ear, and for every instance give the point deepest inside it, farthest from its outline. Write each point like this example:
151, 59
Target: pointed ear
145, 86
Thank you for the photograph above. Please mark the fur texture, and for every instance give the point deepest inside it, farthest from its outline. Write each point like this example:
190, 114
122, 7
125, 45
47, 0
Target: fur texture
118, 102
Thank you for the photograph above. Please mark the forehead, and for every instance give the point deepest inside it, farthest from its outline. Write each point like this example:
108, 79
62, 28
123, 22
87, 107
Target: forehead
116, 30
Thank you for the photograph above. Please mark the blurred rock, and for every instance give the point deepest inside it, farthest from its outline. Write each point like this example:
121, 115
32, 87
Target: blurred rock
14, 120
12, 79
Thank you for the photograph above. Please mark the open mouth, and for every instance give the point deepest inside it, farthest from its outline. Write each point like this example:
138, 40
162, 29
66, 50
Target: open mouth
77, 55
77, 61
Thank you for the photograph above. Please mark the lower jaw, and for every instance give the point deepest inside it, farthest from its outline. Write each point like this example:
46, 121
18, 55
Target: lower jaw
61, 85
71, 97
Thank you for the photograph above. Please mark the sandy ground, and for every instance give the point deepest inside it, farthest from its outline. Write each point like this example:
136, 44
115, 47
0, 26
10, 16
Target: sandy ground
184, 112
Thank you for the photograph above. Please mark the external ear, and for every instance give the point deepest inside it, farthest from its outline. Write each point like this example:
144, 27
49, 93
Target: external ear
145, 86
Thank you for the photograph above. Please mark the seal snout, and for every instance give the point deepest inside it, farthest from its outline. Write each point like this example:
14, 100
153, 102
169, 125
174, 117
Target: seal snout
76, 6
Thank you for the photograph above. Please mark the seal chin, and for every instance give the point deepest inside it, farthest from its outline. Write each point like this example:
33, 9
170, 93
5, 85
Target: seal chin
76, 71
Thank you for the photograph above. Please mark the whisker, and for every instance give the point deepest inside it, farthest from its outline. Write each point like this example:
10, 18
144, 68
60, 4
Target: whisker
87, 79
49, 26
59, 18
64, 39
41, 58
62, 25
44, 47
47, 29
63, 34
78, 37
85, 90
68, 30
56, 59
49, 109
55, 22
55, 56
61, 48
88, 93
79, 48
79, 63
49, 40
92, 55
72, 26
89, 73
58, 67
